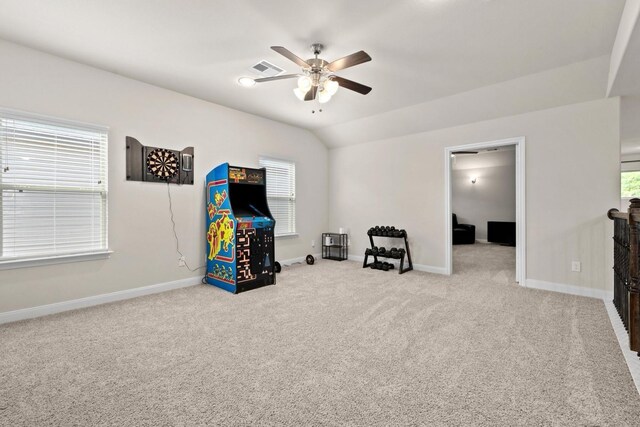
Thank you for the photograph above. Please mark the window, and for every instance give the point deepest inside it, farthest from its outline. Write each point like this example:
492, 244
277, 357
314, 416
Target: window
630, 184
53, 183
281, 193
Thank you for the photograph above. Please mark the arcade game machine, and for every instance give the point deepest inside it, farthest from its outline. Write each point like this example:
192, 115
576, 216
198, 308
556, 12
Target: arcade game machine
240, 229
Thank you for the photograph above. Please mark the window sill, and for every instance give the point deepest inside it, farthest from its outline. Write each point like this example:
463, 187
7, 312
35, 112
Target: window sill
286, 235
9, 264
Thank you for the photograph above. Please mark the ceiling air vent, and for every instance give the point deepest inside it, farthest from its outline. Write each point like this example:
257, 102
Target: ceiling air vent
266, 69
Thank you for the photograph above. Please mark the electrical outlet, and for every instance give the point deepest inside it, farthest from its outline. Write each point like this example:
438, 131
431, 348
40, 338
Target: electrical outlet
182, 262
313, 243
575, 266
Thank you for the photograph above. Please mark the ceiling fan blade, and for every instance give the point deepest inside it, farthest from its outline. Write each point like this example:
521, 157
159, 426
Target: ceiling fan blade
311, 93
349, 61
290, 55
270, 79
351, 85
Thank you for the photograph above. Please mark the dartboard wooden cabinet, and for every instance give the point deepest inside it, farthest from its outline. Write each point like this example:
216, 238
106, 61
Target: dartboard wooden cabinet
155, 164
240, 229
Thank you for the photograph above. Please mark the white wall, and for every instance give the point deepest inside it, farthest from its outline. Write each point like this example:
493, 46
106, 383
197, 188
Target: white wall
629, 123
572, 179
139, 227
492, 197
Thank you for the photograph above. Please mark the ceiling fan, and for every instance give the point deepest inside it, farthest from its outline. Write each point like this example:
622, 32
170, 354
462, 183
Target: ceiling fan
317, 78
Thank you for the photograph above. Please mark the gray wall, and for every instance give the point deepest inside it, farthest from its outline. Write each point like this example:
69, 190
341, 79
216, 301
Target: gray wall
492, 197
139, 228
572, 179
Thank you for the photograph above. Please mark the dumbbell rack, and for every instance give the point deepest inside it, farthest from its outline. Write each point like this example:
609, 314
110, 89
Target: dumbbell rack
401, 268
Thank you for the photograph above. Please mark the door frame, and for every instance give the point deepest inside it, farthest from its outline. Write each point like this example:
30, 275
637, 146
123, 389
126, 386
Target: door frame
521, 237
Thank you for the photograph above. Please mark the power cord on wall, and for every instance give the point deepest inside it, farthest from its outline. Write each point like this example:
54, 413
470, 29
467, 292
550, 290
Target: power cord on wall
173, 225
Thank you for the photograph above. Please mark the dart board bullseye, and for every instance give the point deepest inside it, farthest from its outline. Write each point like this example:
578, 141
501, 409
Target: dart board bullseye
162, 163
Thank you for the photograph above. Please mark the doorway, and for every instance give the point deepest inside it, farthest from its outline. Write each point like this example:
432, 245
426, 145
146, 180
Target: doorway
520, 227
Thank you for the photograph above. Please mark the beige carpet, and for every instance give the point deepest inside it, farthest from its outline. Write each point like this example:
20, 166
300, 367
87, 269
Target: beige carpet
331, 344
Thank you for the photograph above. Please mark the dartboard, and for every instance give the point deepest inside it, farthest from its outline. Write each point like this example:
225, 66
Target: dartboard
162, 163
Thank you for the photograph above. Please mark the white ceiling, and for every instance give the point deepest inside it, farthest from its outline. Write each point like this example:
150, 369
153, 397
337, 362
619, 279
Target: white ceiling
421, 49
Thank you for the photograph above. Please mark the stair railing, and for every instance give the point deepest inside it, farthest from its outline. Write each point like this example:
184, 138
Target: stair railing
626, 267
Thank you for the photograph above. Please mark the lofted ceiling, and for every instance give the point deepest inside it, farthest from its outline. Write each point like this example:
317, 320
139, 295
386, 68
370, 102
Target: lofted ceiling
421, 49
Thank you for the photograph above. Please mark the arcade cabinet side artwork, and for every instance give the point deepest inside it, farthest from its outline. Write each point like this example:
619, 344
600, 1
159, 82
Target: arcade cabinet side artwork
240, 229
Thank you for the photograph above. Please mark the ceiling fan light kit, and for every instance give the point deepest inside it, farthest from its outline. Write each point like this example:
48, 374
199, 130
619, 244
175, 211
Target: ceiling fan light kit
331, 86
299, 93
316, 79
323, 96
304, 83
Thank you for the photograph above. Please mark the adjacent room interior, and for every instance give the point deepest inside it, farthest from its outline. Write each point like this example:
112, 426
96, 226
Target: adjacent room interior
241, 213
483, 203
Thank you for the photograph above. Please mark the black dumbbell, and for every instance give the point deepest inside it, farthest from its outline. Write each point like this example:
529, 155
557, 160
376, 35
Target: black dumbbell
374, 250
382, 250
385, 267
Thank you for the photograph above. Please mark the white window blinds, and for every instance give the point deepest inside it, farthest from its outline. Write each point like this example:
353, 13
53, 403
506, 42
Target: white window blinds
281, 193
53, 178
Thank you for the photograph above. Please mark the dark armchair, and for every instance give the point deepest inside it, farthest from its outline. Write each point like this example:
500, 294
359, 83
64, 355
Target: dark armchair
463, 234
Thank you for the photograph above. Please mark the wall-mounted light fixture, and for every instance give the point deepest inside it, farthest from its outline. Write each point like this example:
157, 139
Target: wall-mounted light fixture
473, 180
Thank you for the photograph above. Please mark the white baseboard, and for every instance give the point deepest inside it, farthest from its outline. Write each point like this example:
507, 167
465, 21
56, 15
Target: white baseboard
530, 283
417, 267
569, 289
44, 310
633, 362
